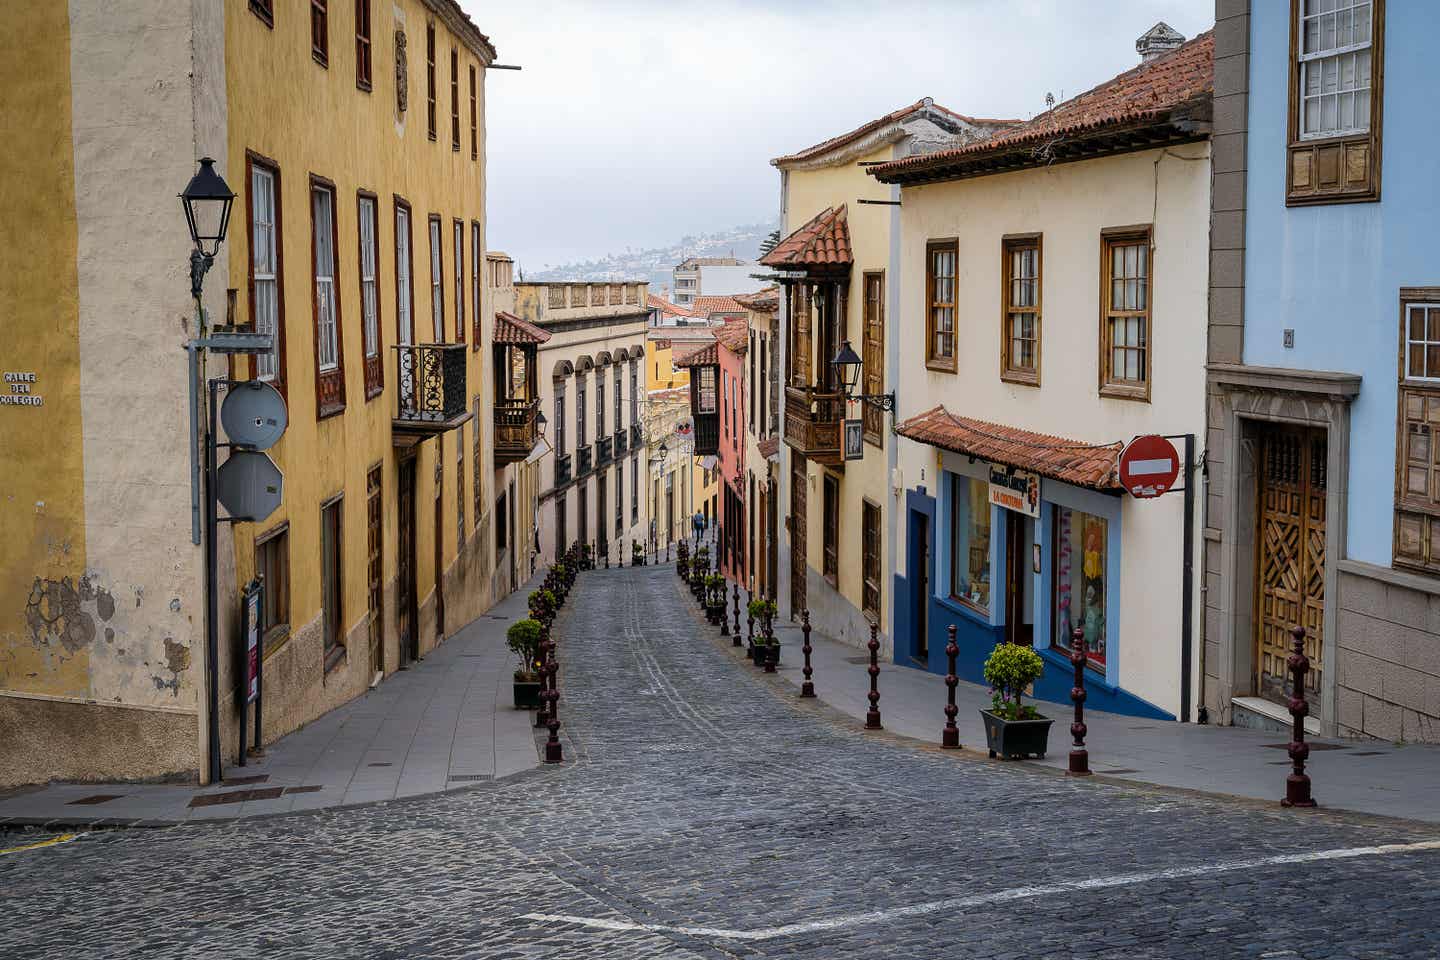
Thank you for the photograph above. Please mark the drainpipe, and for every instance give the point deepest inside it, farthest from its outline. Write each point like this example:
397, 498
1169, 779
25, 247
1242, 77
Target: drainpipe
1187, 586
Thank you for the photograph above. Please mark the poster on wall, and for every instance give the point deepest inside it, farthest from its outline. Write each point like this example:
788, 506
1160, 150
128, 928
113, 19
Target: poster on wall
1015, 489
854, 440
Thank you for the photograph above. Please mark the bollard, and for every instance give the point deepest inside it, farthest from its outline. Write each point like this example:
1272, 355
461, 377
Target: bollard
719, 600
950, 736
807, 687
750, 621
872, 716
554, 753
735, 602
1079, 756
1297, 785
546, 646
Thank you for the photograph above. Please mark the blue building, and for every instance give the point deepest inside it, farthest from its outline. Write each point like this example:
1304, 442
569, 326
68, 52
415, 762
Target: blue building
1324, 366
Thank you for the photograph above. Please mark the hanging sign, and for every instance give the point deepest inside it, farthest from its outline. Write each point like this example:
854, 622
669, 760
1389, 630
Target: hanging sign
854, 435
1149, 466
1015, 489
252, 639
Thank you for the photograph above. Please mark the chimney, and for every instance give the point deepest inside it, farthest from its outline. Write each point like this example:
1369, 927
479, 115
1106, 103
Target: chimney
1158, 41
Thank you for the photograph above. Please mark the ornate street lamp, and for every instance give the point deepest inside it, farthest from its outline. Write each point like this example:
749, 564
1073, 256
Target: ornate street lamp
540, 423
847, 370
207, 199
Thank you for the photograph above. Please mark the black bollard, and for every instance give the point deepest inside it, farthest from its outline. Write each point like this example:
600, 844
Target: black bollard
807, 686
1297, 785
554, 753
872, 716
1079, 756
735, 599
950, 736
750, 621
546, 646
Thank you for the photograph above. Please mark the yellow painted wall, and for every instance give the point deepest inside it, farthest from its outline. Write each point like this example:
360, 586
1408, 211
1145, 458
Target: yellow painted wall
45, 632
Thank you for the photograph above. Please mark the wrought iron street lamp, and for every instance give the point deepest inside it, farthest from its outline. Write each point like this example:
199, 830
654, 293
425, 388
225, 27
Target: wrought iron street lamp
847, 371
540, 423
207, 199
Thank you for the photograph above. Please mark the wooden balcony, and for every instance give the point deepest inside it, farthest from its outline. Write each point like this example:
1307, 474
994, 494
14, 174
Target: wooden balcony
812, 424
430, 396
516, 430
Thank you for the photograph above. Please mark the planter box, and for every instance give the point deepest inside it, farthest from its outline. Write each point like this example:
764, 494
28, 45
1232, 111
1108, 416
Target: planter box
527, 694
1016, 739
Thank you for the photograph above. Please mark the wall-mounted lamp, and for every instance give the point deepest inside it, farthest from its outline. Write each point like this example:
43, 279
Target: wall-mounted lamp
847, 370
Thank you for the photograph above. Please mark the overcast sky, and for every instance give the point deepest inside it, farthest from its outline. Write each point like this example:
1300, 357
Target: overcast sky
636, 122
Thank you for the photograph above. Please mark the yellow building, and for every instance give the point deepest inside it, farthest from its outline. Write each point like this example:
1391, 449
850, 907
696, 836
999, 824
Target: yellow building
353, 136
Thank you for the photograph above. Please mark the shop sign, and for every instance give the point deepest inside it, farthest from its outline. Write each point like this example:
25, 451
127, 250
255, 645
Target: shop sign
252, 597
1015, 489
854, 439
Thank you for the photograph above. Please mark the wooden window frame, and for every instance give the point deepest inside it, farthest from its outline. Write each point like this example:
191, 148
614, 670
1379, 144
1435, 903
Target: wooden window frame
478, 488
320, 32
1426, 392
252, 160
265, 11
477, 255
1112, 237
1343, 168
329, 384
872, 355
435, 234
375, 553
454, 100
430, 93
460, 485
333, 635
275, 634
457, 241
870, 557
400, 203
364, 72
474, 116
1010, 245
634, 488
830, 527
934, 361
374, 362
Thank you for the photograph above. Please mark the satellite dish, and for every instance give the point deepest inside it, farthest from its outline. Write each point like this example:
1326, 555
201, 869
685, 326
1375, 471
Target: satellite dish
253, 414
249, 485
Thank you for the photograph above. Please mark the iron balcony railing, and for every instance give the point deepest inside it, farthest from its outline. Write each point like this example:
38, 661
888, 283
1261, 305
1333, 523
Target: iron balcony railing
584, 460
635, 439
621, 441
603, 447
562, 469
432, 382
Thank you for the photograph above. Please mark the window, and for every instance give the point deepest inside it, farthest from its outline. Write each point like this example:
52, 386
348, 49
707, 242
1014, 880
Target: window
502, 535
272, 564
460, 484
1079, 561
454, 100
362, 44
430, 80
475, 463
831, 562
331, 582
404, 276
320, 31
370, 295
940, 262
437, 281
474, 132
619, 423
872, 417
579, 410
374, 564
266, 295
562, 542
635, 488
1020, 321
265, 10
329, 352
970, 542
559, 420
1336, 72
458, 235
634, 393
1125, 324
475, 258
620, 496
869, 556
599, 403
1417, 467
799, 357
706, 378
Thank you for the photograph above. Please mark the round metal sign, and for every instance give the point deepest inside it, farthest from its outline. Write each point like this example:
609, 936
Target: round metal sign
249, 485
253, 414
1149, 466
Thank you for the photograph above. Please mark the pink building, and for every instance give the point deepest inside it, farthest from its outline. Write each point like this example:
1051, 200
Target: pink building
733, 341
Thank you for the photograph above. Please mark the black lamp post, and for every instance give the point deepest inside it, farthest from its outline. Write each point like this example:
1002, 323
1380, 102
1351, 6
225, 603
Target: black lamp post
207, 199
847, 370
540, 423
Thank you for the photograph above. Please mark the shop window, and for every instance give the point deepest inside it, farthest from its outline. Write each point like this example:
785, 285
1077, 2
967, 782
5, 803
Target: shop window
970, 543
1081, 557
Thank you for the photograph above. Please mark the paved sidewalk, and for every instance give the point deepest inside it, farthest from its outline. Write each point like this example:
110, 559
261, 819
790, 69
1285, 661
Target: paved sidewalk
1372, 777
441, 725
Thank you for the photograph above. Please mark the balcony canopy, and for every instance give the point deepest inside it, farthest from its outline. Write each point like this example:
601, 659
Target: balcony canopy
822, 245
512, 331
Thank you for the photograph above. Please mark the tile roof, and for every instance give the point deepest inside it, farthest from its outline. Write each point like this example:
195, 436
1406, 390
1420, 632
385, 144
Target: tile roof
1173, 90
676, 394
735, 335
706, 306
769, 447
666, 307
1084, 464
761, 301
706, 356
511, 329
879, 122
824, 241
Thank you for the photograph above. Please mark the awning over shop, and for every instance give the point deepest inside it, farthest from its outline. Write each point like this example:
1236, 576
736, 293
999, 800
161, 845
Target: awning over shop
1091, 465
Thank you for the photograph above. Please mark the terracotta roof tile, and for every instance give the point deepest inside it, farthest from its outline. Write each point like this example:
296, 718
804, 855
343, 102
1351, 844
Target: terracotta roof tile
511, 329
708, 306
769, 447
824, 241
735, 335
666, 307
893, 117
1169, 88
675, 394
1084, 464
761, 301
706, 356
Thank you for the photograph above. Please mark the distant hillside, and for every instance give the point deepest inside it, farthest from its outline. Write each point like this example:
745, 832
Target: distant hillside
655, 264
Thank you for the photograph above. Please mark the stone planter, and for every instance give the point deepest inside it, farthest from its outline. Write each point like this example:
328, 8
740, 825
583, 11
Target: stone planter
527, 694
1016, 739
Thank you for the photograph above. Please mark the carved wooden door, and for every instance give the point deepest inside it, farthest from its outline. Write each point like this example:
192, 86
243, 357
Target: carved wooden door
1290, 576
405, 593
797, 535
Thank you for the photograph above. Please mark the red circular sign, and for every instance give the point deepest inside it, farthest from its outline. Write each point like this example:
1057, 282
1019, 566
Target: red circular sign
1148, 466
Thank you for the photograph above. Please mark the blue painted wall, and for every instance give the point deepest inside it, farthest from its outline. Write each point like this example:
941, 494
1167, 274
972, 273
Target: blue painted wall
1333, 273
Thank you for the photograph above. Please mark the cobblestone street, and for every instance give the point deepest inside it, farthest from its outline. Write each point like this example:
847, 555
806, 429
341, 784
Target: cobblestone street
703, 812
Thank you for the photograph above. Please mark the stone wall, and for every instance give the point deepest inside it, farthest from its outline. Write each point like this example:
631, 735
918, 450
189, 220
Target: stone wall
1388, 654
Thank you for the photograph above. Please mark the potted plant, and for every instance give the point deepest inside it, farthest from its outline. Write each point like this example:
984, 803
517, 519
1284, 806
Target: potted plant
637, 555
1013, 729
523, 639
715, 597
772, 653
760, 610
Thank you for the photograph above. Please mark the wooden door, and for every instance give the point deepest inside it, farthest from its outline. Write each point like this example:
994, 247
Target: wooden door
797, 535
374, 567
1017, 556
919, 561
406, 617
1290, 556
439, 546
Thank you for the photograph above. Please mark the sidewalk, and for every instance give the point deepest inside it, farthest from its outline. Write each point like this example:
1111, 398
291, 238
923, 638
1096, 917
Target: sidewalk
443, 724
1370, 777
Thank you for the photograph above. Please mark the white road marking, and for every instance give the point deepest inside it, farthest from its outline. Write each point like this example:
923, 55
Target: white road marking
1000, 896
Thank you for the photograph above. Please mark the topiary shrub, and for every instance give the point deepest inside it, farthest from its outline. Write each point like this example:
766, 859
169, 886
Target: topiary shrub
523, 639
1009, 670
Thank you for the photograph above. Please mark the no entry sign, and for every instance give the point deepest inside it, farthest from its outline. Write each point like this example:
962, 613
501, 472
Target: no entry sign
1148, 466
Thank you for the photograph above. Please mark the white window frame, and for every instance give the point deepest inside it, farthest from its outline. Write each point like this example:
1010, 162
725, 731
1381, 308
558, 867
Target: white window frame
323, 213
1339, 54
1411, 344
458, 235
369, 290
263, 242
404, 276
437, 283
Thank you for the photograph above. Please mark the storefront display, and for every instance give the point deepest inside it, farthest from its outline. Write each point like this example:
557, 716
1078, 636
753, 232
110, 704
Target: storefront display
970, 542
1080, 564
